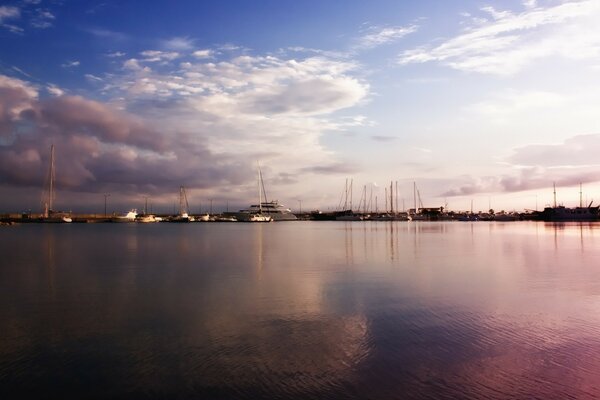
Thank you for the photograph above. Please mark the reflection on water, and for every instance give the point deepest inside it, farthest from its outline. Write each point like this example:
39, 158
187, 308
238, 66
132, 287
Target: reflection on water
300, 310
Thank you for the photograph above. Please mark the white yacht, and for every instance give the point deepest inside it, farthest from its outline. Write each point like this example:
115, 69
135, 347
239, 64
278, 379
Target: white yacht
278, 212
130, 216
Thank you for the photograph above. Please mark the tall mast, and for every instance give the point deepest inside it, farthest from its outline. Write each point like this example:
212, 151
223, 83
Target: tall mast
262, 184
180, 200
259, 189
415, 195
183, 203
351, 182
554, 186
52, 176
48, 188
346, 196
391, 197
397, 204
386, 198
580, 196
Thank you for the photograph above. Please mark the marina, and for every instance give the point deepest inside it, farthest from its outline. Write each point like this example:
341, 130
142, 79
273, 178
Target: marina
315, 200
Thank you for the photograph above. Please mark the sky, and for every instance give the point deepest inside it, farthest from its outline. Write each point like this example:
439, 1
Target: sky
489, 102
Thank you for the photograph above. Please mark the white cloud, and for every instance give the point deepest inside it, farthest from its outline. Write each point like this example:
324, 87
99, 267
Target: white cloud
17, 84
7, 12
183, 43
250, 107
43, 19
10, 13
115, 54
530, 3
207, 53
132, 64
509, 42
55, 90
93, 78
71, 64
377, 36
158, 56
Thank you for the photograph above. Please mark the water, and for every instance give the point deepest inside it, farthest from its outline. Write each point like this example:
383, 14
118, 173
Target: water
300, 310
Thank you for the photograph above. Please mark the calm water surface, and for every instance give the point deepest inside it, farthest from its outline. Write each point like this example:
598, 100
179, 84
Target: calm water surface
300, 310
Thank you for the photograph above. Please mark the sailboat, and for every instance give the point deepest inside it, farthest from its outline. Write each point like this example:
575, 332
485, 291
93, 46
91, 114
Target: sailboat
48, 196
415, 214
183, 208
256, 216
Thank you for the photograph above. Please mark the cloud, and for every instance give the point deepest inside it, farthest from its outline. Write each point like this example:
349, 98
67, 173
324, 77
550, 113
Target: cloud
132, 64
104, 34
20, 71
100, 146
116, 54
207, 53
10, 13
539, 165
378, 36
71, 64
384, 138
93, 78
258, 86
577, 151
203, 125
7, 12
507, 42
335, 169
181, 43
54, 90
42, 19
158, 56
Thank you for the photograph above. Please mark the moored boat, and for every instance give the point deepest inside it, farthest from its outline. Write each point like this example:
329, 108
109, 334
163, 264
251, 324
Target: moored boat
146, 218
127, 217
278, 212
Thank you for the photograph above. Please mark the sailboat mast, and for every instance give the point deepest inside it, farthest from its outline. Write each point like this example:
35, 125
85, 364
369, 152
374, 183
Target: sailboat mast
346, 196
415, 195
386, 198
52, 176
554, 191
351, 182
262, 184
391, 197
580, 196
180, 200
397, 204
259, 189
